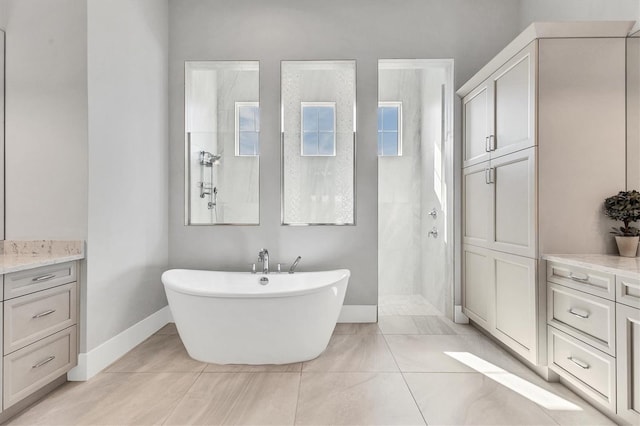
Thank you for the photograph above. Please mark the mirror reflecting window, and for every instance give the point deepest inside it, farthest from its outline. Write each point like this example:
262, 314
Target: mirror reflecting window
222, 133
318, 128
633, 111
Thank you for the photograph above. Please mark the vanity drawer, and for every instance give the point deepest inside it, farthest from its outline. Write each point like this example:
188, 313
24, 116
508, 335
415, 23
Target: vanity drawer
589, 318
628, 291
34, 366
587, 368
30, 318
25, 282
583, 279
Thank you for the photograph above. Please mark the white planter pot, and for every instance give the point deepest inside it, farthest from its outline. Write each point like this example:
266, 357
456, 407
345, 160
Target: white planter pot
627, 246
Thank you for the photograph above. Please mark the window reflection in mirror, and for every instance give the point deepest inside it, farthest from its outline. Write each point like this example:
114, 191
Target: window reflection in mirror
222, 136
318, 142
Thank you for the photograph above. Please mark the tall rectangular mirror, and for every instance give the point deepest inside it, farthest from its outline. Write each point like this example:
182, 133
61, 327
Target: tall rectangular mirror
633, 111
318, 128
222, 143
2, 67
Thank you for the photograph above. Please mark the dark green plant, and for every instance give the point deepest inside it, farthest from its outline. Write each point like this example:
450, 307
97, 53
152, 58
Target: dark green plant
624, 207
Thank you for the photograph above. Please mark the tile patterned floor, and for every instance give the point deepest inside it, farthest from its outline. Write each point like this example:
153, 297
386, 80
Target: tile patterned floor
408, 370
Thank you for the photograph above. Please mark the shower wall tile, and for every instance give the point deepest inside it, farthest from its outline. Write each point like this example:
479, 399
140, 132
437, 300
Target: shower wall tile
399, 191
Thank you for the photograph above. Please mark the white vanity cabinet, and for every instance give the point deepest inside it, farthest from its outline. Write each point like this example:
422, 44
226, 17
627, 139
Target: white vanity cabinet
39, 332
593, 318
628, 366
535, 169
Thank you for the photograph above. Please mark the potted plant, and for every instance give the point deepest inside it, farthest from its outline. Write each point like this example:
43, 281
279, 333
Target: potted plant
625, 206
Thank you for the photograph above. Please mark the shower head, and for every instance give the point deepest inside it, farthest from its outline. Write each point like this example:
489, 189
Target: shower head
208, 159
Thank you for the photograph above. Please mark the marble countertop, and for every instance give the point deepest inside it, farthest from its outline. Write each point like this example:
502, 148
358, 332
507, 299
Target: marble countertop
22, 255
627, 266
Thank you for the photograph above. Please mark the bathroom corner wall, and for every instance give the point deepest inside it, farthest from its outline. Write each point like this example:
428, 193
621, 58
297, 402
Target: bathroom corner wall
364, 30
127, 244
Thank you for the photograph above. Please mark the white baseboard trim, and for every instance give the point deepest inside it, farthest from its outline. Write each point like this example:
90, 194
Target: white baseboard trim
358, 313
458, 316
97, 359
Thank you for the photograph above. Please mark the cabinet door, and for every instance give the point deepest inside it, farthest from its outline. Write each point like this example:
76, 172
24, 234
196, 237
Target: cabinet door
516, 303
628, 362
513, 179
477, 116
477, 205
514, 91
477, 292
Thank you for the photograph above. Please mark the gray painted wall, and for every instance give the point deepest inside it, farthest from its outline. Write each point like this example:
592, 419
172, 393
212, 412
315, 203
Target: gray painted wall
128, 165
46, 118
364, 30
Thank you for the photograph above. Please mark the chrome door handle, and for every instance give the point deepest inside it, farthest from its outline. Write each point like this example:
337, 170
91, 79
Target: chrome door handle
43, 314
580, 280
492, 143
488, 175
578, 362
579, 313
44, 277
487, 147
43, 362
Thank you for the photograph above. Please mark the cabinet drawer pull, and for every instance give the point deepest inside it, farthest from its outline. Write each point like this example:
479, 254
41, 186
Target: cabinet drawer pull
43, 314
487, 148
44, 277
578, 362
579, 313
579, 279
43, 362
492, 143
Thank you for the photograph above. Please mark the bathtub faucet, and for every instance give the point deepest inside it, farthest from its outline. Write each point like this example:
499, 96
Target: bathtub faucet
263, 257
295, 263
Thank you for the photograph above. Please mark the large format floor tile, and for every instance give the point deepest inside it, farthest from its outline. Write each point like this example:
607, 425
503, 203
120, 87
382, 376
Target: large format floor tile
244, 368
437, 353
111, 399
354, 352
422, 324
356, 398
239, 398
472, 399
159, 353
357, 328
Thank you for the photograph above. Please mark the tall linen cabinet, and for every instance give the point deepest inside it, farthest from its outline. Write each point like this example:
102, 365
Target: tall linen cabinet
543, 146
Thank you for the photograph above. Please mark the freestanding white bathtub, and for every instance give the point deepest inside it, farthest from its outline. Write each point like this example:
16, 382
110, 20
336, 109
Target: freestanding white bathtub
231, 318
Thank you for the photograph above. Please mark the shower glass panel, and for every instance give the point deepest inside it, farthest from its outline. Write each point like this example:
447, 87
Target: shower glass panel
222, 137
318, 128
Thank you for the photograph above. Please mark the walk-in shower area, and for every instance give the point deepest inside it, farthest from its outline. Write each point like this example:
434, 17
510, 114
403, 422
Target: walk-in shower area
415, 268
